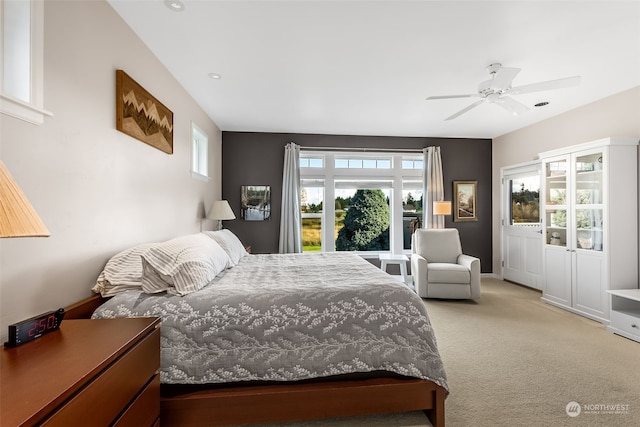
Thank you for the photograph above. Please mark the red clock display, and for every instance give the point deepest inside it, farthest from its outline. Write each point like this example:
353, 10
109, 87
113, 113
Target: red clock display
42, 325
30, 329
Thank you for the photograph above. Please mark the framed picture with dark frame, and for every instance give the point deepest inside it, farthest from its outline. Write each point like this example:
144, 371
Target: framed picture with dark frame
465, 208
140, 115
255, 202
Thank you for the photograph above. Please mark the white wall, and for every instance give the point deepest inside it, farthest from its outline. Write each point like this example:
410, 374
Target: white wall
97, 189
617, 115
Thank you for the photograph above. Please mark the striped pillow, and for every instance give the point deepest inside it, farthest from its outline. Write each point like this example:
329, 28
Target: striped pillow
122, 272
182, 265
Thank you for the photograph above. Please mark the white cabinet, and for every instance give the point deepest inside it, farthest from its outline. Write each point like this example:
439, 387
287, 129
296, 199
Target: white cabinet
557, 275
625, 313
589, 202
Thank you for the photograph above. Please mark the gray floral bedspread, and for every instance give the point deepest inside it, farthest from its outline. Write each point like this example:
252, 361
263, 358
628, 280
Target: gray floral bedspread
287, 317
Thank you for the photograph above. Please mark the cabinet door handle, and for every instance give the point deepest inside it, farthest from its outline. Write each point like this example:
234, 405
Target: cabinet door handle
634, 326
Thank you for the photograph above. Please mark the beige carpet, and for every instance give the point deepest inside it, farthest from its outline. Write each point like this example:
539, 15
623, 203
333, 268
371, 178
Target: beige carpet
513, 360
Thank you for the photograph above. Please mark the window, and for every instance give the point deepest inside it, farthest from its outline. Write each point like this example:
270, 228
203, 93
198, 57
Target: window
21, 80
362, 163
338, 183
525, 200
17, 61
199, 153
364, 221
411, 208
311, 201
311, 162
408, 163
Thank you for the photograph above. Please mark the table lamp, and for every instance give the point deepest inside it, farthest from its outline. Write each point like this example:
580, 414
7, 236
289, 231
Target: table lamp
220, 211
442, 208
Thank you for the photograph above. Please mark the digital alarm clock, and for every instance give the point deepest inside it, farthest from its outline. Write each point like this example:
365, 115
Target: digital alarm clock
30, 329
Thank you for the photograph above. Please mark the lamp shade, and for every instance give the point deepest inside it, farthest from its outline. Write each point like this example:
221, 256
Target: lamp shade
220, 210
17, 216
442, 208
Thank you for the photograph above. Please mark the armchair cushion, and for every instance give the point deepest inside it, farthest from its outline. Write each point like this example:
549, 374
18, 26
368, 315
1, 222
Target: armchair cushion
441, 245
448, 273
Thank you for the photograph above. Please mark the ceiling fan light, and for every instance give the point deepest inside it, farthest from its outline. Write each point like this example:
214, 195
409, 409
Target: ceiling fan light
493, 97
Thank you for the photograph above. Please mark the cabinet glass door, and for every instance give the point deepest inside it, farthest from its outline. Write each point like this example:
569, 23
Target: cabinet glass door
589, 202
556, 202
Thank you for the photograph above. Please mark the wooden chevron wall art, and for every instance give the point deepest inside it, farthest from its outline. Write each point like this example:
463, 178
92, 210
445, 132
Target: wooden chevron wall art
140, 115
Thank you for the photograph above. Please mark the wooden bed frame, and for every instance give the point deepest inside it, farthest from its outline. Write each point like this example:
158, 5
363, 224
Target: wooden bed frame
252, 404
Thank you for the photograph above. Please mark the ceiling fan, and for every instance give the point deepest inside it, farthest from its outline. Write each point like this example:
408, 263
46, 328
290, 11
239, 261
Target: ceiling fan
495, 90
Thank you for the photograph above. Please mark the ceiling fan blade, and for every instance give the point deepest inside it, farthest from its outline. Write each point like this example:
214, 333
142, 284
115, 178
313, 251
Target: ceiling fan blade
464, 110
503, 78
548, 85
511, 105
452, 96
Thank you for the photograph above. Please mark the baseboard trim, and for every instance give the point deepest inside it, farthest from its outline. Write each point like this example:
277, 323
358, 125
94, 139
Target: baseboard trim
573, 310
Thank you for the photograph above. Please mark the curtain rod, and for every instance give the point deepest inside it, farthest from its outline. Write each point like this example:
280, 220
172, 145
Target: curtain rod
372, 150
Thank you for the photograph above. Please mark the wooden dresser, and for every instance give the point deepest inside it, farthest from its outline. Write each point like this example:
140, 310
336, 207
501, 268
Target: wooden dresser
97, 372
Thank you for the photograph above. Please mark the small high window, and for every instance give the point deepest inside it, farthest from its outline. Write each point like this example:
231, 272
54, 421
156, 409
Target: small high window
22, 53
199, 153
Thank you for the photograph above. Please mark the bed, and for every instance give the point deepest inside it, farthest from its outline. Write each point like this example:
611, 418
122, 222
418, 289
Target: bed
275, 337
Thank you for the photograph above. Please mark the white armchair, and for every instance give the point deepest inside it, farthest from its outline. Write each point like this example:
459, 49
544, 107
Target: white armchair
440, 269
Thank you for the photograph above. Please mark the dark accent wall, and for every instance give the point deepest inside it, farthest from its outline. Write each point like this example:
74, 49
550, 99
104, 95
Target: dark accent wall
250, 158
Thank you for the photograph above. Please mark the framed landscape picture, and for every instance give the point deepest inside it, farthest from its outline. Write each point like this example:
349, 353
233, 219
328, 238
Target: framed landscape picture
256, 202
465, 208
140, 115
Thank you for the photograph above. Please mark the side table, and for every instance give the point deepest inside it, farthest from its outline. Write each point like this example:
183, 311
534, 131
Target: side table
400, 260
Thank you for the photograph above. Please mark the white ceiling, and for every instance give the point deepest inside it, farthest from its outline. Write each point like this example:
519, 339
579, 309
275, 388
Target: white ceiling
365, 67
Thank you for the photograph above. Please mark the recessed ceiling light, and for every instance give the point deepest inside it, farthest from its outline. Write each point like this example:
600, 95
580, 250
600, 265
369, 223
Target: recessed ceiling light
215, 76
175, 5
541, 104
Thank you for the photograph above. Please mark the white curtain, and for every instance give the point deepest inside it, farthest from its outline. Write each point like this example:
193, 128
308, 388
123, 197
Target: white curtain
290, 214
433, 187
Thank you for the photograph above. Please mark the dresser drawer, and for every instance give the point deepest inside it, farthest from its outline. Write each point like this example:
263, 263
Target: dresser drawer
144, 411
626, 323
103, 399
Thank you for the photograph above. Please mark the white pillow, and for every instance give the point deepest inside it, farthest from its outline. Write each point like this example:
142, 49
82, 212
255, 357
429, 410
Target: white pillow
230, 243
122, 272
182, 265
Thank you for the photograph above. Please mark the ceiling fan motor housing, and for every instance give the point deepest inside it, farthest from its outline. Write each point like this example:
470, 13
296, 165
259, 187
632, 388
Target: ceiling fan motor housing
493, 68
491, 94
